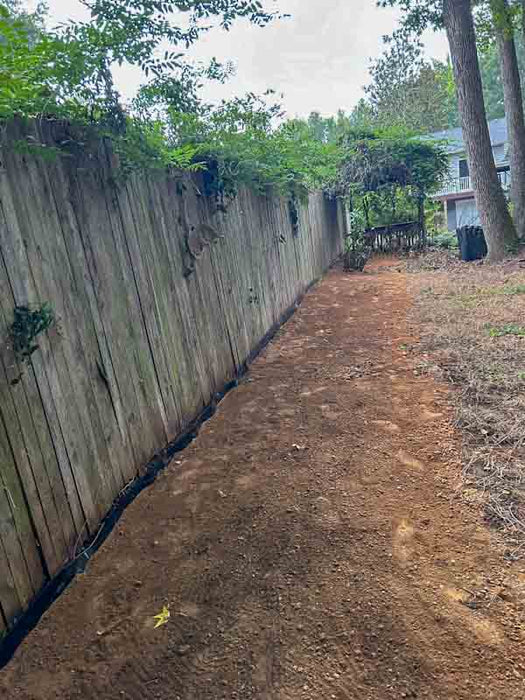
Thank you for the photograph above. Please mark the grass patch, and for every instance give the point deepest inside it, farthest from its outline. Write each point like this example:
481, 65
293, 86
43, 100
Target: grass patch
511, 290
508, 290
479, 295
468, 325
507, 329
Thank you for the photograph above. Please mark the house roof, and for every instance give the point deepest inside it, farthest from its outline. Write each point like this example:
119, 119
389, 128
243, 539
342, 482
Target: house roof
454, 137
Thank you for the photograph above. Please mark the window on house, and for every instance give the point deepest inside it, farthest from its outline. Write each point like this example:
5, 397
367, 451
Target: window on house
463, 168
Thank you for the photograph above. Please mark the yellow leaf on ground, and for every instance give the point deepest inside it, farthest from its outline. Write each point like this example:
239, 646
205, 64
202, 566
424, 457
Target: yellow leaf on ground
163, 617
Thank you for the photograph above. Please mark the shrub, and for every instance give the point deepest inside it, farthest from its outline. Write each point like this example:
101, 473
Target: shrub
446, 240
357, 251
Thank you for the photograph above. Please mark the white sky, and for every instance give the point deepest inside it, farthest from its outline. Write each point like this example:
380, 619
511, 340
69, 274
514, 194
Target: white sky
318, 58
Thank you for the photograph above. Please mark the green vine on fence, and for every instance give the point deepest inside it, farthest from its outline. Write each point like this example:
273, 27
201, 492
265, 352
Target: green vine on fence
29, 322
293, 212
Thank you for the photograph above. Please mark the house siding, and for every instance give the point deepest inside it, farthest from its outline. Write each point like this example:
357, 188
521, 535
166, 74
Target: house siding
500, 159
467, 213
500, 154
451, 216
461, 209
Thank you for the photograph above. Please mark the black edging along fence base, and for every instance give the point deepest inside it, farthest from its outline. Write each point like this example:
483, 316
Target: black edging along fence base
57, 585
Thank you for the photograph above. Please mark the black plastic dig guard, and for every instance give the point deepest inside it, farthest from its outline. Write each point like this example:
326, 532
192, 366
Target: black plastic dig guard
57, 585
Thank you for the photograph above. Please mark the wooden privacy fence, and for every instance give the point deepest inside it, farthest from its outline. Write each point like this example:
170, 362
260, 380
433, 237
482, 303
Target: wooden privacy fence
160, 296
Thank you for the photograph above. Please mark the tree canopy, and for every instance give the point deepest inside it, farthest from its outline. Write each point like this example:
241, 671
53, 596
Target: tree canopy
409, 91
69, 68
405, 89
66, 72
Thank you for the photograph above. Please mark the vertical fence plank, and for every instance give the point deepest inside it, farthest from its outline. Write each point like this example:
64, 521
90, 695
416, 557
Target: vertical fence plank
141, 234
11, 605
101, 402
42, 481
140, 363
170, 294
18, 535
63, 355
177, 217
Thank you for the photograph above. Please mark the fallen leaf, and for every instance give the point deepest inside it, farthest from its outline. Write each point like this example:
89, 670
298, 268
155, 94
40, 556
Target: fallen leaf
163, 617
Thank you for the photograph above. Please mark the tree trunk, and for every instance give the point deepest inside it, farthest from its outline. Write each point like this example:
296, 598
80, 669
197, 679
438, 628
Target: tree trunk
494, 214
513, 108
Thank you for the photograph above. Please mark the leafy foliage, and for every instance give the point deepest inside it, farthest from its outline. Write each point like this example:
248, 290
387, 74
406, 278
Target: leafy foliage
507, 329
379, 159
356, 253
244, 142
390, 173
439, 89
417, 15
446, 240
67, 72
491, 74
28, 324
407, 90
329, 129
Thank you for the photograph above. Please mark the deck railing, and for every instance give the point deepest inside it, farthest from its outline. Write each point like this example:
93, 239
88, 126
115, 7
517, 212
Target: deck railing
459, 185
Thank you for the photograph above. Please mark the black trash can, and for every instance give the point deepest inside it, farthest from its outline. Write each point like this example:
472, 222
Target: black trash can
472, 244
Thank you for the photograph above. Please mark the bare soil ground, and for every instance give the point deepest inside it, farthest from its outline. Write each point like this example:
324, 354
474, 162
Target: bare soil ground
311, 544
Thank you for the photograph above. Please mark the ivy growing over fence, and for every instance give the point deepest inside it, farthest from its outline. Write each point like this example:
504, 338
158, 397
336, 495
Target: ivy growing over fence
29, 322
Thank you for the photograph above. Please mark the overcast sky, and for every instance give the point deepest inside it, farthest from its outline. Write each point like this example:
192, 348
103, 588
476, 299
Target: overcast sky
318, 57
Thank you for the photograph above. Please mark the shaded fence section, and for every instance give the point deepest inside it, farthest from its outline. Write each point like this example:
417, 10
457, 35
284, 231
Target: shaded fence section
160, 296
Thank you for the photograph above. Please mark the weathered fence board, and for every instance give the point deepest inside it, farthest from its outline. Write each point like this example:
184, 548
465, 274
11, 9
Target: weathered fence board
160, 297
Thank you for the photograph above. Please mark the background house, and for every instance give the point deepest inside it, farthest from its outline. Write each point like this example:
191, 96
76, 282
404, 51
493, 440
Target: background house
456, 193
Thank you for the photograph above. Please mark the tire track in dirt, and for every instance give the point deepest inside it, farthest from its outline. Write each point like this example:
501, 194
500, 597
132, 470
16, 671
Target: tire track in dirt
309, 543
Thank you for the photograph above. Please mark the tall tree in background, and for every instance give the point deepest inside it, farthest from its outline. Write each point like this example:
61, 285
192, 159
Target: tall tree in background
407, 90
445, 91
494, 214
328, 129
456, 17
363, 115
513, 100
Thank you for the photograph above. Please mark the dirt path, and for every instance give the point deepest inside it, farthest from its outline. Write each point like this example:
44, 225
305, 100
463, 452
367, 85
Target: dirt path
309, 544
